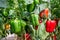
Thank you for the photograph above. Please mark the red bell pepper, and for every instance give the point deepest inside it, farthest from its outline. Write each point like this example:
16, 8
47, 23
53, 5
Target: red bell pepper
50, 25
44, 13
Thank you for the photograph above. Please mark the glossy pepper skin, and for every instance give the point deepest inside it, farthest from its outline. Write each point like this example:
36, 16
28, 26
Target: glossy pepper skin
16, 25
44, 13
50, 25
34, 19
